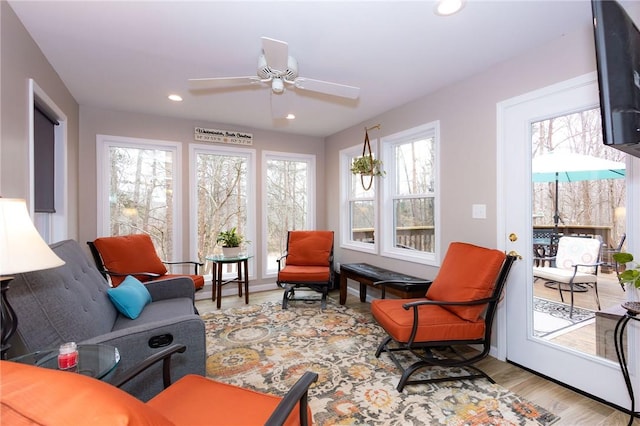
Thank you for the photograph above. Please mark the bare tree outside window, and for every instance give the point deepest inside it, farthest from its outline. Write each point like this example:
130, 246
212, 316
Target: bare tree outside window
287, 204
141, 195
222, 199
414, 195
362, 209
596, 203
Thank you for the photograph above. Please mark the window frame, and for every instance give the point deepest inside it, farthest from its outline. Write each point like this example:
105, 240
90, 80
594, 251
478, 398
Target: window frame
310, 159
103, 145
346, 180
250, 235
388, 196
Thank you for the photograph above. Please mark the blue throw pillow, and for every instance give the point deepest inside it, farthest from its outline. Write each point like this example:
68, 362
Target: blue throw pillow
130, 297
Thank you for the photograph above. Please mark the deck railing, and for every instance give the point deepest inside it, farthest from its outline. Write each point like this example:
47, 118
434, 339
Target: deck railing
420, 238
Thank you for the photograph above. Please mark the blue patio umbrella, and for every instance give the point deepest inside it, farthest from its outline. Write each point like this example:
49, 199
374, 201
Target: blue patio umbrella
569, 167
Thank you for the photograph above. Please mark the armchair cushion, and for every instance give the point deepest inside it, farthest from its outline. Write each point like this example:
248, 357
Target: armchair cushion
293, 273
467, 273
35, 395
130, 297
129, 254
310, 248
183, 402
436, 322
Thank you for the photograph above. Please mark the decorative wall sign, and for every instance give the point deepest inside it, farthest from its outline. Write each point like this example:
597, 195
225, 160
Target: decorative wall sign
222, 136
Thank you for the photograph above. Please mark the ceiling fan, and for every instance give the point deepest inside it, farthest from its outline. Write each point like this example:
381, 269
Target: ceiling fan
280, 71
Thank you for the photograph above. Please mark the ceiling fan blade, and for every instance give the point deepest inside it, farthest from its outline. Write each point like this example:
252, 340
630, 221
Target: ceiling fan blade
334, 89
212, 83
276, 53
279, 105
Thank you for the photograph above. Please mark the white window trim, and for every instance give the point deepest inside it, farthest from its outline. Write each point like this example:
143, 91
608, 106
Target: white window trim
388, 248
250, 154
345, 190
311, 185
103, 143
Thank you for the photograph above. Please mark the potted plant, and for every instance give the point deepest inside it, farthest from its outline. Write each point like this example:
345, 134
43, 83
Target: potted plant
631, 275
230, 241
366, 165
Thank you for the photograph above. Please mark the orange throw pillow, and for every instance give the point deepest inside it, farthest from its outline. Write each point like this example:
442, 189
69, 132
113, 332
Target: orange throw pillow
130, 254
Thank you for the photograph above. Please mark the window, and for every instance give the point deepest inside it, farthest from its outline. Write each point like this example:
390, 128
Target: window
360, 206
222, 181
289, 201
410, 212
137, 181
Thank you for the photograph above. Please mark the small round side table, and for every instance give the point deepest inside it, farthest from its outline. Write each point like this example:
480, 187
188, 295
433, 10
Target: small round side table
633, 309
242, 278
93, 360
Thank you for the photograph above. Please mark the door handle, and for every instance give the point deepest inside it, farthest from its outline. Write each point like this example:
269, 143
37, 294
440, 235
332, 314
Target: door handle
515, 254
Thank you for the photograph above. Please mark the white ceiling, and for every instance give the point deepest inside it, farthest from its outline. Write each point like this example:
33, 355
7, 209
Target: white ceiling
129, 55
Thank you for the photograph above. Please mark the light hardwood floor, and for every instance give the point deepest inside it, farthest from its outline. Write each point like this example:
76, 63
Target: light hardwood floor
573, 408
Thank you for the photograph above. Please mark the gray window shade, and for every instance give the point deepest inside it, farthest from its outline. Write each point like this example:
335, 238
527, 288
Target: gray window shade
44, 160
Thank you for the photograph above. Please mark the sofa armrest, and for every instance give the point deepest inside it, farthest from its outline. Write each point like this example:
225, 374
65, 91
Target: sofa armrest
171, 288
164, 356
133, 345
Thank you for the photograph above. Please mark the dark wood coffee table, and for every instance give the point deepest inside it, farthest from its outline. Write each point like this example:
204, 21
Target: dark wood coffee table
367, 274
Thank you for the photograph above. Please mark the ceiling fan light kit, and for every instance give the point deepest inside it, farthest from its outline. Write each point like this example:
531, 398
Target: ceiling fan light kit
278, 69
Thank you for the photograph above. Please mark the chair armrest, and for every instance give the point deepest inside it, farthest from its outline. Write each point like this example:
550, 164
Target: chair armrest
163, 355
284, 255
186, 262
575, 265
417, 303
298, 393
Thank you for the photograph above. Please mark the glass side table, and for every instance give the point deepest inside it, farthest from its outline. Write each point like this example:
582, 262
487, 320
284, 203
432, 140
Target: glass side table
242, 278
93, 360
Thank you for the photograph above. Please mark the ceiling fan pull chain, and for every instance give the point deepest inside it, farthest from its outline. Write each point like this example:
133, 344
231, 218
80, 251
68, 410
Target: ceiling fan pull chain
367, 147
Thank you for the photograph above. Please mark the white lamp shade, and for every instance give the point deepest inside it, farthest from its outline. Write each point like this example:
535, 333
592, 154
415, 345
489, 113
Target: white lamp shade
22, 249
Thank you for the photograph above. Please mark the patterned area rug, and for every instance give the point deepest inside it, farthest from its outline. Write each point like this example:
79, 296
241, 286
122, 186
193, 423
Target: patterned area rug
551, 319
267, 349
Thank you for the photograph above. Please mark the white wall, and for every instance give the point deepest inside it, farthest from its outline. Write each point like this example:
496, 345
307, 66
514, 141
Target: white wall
467, 114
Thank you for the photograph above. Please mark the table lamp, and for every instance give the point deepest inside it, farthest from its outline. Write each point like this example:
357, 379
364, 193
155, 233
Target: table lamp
21, 250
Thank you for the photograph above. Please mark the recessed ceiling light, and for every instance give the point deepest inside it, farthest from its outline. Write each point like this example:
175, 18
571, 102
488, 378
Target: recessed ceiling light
290, 116
175, 98
448, 7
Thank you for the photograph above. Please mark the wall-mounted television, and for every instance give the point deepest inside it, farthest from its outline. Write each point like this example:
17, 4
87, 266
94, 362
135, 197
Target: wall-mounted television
617, 42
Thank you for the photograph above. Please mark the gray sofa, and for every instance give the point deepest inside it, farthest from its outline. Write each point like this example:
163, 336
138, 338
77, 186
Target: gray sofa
70, 303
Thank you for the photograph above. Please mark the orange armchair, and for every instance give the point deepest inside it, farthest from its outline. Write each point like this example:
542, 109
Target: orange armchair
35, 395
135, 255
457, 310
307, 262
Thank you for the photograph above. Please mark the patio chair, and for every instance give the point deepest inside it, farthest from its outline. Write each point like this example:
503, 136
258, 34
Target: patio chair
119, 256
456, 311
576, 267
545, 245
307, 262
37, 395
